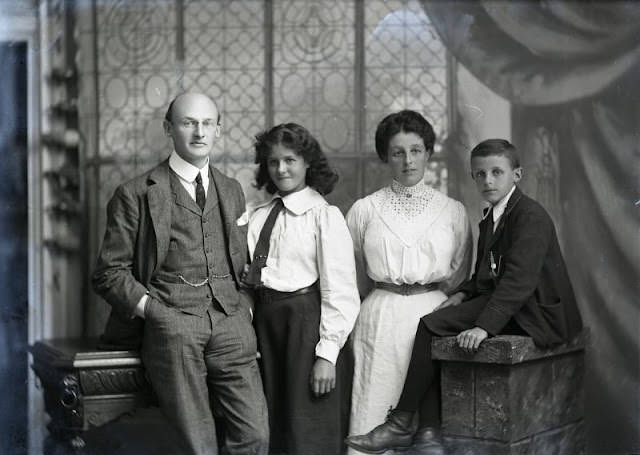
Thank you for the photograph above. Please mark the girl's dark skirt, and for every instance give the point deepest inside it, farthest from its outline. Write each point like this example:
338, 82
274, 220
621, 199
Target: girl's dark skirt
287, 325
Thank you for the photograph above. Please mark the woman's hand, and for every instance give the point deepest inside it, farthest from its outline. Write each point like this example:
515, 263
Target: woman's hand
454, 300
323, 377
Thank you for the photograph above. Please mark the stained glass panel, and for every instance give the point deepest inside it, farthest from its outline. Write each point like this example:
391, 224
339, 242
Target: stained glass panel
314, 69
136, 60
406, 66
224, 57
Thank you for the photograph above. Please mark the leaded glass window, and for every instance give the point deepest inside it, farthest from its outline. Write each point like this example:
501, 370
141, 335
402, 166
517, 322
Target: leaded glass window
335, 66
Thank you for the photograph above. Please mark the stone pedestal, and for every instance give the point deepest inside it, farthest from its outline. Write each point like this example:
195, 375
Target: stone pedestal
512, 397
85, 387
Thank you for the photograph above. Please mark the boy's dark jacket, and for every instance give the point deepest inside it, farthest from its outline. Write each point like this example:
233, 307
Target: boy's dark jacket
532, 283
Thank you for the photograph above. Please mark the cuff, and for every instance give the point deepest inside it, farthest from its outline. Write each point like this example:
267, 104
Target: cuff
139, 309
328, 350
492, 320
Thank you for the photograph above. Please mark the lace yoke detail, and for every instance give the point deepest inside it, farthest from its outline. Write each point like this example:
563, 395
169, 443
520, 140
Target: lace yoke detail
406, 202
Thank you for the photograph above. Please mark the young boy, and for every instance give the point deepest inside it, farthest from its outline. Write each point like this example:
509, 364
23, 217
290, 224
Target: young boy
520, 286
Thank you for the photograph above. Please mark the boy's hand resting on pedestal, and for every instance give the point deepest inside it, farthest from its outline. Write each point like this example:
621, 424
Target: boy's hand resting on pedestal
470, 340
323, 377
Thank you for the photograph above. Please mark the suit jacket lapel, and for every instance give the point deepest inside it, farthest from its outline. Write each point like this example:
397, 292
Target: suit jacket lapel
160, 197
181, 196
225, 199
228, 210
513, 200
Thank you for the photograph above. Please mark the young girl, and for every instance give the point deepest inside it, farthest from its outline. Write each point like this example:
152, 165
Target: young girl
303, 270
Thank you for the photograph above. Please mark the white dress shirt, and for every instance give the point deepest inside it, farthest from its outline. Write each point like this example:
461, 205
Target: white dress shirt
310, 242
187, 173
499, 208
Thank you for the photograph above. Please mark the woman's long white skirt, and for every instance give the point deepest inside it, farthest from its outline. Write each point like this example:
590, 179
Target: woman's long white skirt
382, 342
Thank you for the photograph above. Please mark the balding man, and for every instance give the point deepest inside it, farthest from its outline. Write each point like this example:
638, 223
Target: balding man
174, 248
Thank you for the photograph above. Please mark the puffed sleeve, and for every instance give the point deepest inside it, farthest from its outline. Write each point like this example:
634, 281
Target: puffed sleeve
340, 302
357, 220
461, 261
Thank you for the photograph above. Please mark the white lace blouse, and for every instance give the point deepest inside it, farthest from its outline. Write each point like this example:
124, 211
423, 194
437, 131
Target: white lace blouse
411, 235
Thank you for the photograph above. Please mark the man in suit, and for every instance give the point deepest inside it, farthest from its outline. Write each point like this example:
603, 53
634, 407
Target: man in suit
173, 251
520, 286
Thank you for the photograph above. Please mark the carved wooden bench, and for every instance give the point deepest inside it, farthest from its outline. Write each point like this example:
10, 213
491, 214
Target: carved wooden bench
85, 387
511, 397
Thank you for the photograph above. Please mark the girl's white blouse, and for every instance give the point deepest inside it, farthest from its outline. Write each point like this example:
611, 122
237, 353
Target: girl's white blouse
310, 242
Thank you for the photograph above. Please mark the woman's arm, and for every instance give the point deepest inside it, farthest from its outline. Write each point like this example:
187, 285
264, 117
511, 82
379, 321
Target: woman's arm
357, 224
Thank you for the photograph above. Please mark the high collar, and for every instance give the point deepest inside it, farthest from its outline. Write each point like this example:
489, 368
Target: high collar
300, 201
419, 189
187, 171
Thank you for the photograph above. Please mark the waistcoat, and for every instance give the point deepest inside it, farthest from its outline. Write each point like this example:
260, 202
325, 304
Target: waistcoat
196, 270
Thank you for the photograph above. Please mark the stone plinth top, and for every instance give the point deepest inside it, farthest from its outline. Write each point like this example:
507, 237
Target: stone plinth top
503, 349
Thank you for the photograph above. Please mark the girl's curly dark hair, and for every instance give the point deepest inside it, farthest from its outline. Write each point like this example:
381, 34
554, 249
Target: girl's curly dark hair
319, 175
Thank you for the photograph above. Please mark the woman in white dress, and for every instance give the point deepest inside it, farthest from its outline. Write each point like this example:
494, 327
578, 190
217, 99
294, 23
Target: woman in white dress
413, 245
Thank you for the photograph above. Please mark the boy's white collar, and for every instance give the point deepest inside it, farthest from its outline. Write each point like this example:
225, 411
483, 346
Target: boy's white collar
500, 207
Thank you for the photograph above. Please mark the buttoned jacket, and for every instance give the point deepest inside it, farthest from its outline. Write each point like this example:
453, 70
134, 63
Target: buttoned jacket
531, 283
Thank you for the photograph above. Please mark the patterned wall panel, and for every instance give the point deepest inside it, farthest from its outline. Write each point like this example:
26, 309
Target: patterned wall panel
140, 43
405, 68
136, 44
346, 191
314, 69
224, 57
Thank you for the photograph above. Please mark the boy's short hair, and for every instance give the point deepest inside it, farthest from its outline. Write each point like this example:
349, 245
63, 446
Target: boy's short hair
500, 147
406, 121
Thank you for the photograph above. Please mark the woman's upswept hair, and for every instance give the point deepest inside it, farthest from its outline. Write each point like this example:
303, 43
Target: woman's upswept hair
319, 175
406, 121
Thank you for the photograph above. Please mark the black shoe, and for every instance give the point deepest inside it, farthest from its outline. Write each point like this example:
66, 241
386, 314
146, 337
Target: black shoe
427, 441
395, 433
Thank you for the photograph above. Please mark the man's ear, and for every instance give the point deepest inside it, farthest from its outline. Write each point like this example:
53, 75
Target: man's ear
166, 125
218, 130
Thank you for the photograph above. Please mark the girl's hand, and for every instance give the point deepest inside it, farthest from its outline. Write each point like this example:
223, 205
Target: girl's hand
323, 377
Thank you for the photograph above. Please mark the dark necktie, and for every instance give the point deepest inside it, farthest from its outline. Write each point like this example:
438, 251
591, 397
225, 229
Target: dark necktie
254, 275
200, 194
484, 282
489, 233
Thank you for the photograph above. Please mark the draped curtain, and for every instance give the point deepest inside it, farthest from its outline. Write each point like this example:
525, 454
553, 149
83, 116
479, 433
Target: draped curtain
572, 70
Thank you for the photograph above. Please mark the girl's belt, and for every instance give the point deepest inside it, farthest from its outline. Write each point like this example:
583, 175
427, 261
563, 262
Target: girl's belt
269, 295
